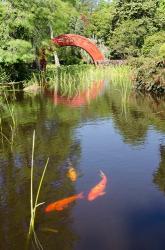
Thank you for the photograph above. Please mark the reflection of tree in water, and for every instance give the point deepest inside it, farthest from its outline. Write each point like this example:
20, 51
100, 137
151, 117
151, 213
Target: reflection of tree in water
132, 124
141, 112
159, 176
133, 127
53, 139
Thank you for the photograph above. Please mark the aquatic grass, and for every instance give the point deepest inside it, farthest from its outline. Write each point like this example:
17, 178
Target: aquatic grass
121, 79
34, 202
71, 80
1, 129
70, 85
36, 79
11, 110
121, 76
2, 134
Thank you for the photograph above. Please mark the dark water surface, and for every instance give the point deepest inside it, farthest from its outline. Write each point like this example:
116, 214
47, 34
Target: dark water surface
126, 142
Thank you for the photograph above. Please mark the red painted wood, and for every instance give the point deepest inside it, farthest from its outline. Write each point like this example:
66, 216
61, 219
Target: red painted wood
82, 42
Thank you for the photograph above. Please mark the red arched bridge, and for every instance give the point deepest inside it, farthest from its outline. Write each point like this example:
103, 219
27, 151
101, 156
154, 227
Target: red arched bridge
82, 42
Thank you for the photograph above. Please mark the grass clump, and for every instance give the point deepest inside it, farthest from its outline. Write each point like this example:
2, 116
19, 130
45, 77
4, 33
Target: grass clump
71, 80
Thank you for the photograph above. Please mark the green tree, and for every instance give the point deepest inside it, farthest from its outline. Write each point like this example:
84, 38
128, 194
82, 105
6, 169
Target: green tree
128, 38
153, 43
138, 9
25, 26
160, 17
162, 51
133, 21
100, 22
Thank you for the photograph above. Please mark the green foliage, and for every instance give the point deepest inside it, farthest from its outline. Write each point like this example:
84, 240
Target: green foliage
100, 24
162, 51
26, 25
151, 76
124, 25
138, 9
134, 20
160, 17
128, 38
152, 43
76, 25
15, 51
3, 76
69, 55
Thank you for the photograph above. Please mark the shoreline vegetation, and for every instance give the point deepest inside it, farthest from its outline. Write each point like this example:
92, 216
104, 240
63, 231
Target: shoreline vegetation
71, 80
132, 32
147, 76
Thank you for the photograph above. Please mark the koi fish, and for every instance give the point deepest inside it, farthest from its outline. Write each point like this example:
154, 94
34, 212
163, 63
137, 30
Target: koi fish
72, 174
61, 204
98, 190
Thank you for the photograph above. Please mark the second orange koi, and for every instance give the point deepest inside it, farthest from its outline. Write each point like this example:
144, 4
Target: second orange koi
61, 204
98, 190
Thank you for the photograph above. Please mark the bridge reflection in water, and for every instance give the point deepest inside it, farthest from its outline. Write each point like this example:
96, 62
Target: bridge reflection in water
82, 98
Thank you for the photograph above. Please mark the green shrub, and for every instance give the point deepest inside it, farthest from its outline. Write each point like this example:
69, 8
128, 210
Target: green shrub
137, 62
3, 76
153, 43
162, 51
151, 76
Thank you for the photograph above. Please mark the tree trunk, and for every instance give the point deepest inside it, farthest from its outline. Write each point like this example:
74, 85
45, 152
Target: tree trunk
56, 59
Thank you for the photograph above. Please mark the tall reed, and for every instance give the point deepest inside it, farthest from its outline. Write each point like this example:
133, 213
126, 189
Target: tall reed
34, 201
8, 109
70, 80
121, 79
11, 110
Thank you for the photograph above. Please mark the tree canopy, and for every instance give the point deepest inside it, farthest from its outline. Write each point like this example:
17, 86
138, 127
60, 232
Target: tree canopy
124, 25
26, 25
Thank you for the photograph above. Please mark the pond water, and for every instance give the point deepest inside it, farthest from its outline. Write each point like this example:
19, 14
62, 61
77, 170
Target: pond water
91, 132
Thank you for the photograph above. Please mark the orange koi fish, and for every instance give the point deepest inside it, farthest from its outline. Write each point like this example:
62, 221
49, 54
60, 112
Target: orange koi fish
98, 190
61, 204
72, 174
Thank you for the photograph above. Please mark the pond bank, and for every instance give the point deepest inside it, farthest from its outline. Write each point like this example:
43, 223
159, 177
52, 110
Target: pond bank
150, 75
147, 75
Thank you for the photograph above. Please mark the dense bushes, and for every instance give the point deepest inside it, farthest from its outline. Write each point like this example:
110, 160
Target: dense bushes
3, 76
153, 43
162, 51
150, 75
